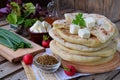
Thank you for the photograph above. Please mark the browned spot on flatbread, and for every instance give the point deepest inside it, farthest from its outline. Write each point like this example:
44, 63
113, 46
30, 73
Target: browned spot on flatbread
66, 32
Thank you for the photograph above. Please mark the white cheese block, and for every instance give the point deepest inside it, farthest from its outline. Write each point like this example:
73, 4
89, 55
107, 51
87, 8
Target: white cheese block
41, 28
38, 27
74, 29
34, 26
90, 22
35, 31
100, 21
46, 25
84, 33
70, 16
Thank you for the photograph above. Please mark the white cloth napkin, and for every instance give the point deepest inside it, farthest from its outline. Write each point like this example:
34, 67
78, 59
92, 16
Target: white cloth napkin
60, 75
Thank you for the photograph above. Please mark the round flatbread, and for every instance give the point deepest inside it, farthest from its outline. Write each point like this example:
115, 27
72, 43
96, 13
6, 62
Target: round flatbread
103, 31
104, 52
71, 57
109, 66
53, 33
98, 62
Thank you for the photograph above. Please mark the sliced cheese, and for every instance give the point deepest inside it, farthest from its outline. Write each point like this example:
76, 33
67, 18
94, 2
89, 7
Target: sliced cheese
74, 29
90, 22
84, 33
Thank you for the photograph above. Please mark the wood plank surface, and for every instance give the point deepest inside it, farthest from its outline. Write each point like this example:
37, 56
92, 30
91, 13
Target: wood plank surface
95, 6
17, 76
7, 68
117, 77
1, 59
67, 4
109, 8
29, 72
3, 22
118, 25
80, 5
102, 76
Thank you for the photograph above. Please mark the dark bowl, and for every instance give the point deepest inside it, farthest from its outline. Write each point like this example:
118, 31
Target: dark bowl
37, 37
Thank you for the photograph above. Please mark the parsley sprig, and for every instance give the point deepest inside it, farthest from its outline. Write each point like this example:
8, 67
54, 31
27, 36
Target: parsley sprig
79, 20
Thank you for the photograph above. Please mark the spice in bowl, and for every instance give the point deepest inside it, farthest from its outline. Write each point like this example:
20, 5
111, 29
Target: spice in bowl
46, 60
47, 63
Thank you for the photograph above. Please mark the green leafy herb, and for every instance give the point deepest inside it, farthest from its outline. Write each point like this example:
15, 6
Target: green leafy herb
15, 8
12, 18
20, 20
29, 22
79, 20
45, 37
29, 8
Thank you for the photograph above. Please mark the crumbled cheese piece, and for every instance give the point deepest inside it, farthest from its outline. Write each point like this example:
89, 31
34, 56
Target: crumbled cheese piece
74, 29
90, 22
46, 25
70, 16
35, 31
41, 28
84, 33
100, 21
34, 26
37, 26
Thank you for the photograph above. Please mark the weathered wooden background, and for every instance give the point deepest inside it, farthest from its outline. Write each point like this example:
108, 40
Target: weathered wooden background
109, 8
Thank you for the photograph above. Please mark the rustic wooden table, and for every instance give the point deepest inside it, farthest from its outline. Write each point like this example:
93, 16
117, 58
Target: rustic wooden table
10, 71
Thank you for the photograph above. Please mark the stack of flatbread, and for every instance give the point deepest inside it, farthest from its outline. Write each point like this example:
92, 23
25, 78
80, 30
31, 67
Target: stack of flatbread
92, 53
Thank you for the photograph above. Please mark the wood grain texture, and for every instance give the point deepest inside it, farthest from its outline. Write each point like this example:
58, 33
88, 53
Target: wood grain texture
109, 8
1, 59
17, 76
81, 5
95, 6
29, 72
7, 68
67, 4
103, 76
118, 25
117, 77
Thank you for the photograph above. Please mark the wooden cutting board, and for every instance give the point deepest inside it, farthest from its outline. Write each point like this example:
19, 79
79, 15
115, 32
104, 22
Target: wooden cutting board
109, 66
15, 56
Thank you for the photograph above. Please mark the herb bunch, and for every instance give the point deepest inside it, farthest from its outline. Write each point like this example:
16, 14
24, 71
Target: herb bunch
79, 20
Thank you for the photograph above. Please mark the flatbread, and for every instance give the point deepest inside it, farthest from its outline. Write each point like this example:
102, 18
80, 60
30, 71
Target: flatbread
103, 31
71, 57
105, 52
109, 66
53, 33
98, 62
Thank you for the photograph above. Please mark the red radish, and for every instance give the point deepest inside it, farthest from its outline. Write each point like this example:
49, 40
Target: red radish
28, 59
69, 70
46, 41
